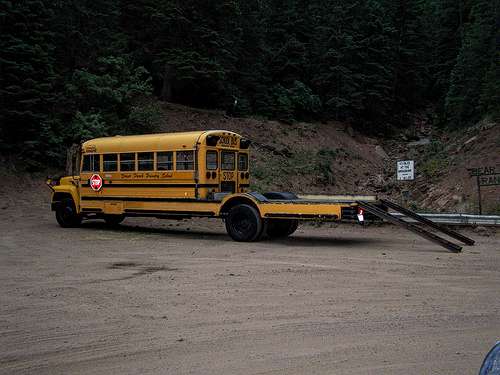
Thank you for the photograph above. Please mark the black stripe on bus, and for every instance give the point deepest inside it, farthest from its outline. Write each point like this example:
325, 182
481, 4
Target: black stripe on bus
302, 216
91, 210
110, 184
244, 185
164, 212
145, 199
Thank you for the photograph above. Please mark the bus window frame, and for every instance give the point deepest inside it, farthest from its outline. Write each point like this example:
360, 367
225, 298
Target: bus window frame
212, 152
172, 153
152, 160
245, 154
223, 152
135, 161
193, 161
117, 161
83, 161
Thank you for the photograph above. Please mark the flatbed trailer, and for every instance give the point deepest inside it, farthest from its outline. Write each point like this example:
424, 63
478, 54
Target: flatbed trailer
204, 174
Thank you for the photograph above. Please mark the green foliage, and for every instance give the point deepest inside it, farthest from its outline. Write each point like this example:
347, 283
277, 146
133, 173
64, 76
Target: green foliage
70, 70
435, 160
145, 117
112, 84
317, 166
474, 78
87, 126
325, 158
27, 76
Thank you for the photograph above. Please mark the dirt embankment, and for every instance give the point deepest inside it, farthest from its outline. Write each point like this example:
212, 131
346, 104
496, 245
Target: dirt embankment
300, 157
333, 158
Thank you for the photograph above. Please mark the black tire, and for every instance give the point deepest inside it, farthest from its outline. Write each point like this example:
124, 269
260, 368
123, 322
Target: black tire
66, 214
244, 224
113, 220
293, 227
279, 228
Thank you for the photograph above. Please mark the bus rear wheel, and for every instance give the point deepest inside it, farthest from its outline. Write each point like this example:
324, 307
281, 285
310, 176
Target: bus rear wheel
277, 228
66, 214
244, 224
113, 220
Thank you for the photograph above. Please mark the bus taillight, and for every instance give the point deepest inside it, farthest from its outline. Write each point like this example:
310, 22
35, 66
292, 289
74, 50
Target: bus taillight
361, 214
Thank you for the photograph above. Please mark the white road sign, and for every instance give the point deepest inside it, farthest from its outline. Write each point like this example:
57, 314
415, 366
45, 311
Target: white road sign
406, 170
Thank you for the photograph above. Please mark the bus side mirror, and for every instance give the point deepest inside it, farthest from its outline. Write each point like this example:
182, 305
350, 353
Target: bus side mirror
245, 143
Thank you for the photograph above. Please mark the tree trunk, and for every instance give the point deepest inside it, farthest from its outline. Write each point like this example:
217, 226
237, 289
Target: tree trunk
166, 90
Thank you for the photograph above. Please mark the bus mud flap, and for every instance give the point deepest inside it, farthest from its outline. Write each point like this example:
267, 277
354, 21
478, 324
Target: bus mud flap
411, 227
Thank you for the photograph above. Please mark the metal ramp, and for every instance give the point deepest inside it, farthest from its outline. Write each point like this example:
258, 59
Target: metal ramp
369, 207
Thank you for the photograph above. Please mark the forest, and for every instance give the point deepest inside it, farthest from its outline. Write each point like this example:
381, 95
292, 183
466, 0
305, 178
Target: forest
71, 70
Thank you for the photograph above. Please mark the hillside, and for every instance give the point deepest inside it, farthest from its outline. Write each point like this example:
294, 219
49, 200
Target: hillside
301, 157
332, 158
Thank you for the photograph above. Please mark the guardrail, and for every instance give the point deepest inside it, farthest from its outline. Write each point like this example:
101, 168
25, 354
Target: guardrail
457, 219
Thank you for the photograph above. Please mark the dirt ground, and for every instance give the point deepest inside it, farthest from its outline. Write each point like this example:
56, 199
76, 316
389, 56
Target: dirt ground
161, 297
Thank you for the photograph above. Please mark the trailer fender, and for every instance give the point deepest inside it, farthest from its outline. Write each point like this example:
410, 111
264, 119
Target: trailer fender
234, 200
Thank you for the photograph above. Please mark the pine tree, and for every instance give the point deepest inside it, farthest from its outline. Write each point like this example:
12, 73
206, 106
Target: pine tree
478, 52
27, 76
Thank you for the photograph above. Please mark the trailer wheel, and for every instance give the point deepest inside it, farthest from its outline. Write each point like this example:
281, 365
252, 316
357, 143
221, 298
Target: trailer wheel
113, 220
277, 228
244, 224
66, 214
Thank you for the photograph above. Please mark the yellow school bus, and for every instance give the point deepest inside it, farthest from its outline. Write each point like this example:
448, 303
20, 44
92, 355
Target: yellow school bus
184, 175
179, 175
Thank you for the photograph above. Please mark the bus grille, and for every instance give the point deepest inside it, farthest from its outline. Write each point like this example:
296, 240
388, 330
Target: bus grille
228, 187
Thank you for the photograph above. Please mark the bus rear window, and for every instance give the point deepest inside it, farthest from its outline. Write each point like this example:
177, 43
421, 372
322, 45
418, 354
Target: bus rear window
211, 160
165, 161
110, 162
243, 162
127, 162
185, 160
91, 163
227, 162
145, 161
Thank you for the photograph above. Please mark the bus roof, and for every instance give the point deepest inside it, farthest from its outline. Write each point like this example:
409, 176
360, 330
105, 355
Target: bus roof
151, 142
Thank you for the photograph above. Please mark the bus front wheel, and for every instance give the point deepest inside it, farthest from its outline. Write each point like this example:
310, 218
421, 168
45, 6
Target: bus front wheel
277, 228
66, 214
244, 224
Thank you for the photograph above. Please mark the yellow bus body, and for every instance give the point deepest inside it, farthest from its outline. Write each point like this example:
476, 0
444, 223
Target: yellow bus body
176, 175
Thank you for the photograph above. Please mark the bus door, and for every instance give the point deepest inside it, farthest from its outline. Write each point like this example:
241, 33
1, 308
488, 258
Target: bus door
228, 176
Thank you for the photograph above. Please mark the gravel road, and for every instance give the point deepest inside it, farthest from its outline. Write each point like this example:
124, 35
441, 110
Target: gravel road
162, 297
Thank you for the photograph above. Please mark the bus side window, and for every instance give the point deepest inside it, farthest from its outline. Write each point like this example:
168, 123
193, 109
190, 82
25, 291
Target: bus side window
110, 162
127, 162
227, 162
243, 162
165, 161
91, 163
212, 160
145, 161
184, 160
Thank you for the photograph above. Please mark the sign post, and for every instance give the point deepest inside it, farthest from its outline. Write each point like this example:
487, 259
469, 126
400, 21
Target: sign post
485, 176
479, 195
405, 172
